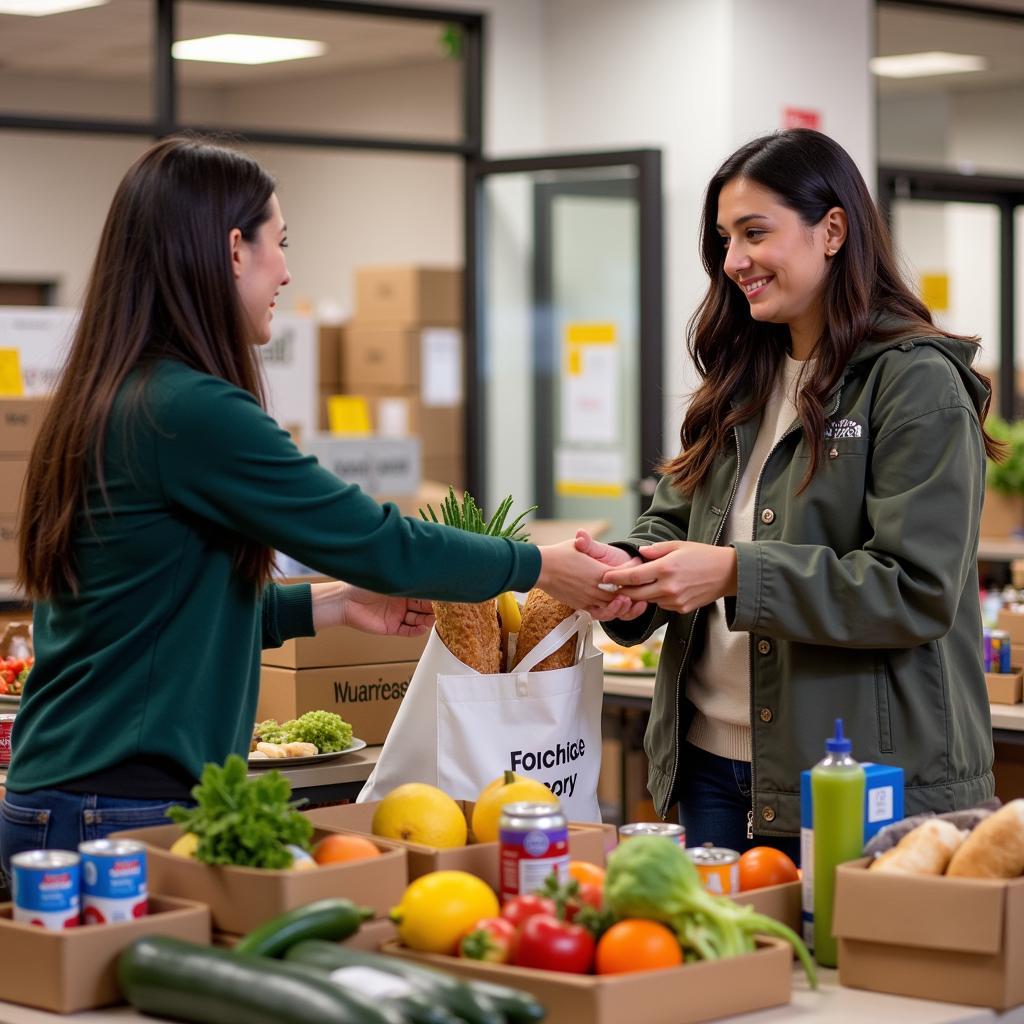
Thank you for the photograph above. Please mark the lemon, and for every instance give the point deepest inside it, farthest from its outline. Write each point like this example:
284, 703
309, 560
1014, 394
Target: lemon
508, 789
418, 813
438, 908
185, 845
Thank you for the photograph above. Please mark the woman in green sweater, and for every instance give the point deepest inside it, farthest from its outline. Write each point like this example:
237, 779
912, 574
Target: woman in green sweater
156, 495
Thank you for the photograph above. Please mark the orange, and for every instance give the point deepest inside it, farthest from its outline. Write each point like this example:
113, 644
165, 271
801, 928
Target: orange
336, 848
583, 871
637, 945
764, 865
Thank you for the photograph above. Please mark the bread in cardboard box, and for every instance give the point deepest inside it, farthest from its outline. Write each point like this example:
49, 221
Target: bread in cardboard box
995, 849
926, 850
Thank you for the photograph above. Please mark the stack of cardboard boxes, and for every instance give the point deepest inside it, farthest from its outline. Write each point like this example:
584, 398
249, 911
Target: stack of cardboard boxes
20, 419
403, 352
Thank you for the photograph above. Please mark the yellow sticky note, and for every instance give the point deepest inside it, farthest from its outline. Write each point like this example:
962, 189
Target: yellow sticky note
935, 291
590, 334
348, 414
10, 373
574, 366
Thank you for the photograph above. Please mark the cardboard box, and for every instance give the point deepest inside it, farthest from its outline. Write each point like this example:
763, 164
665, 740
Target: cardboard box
409, 295
449, 470
588, 842
330, 343
20, 420
1004, 687
379, 465
378, 358
340, 645
700, 991
240, 899
956, 940
1012, 623
366, 696
12, 479
779, 902
75, 969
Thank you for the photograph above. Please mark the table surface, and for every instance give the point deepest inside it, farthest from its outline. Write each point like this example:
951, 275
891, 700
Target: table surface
830, 1004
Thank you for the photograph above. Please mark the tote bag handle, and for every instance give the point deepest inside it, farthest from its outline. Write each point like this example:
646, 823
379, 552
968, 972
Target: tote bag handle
576, 623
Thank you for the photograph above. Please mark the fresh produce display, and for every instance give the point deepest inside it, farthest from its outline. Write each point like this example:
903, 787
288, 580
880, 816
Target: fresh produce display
641, 658
586, 873
520, 909
653, 879
332, 919
418, 813
992, 848
243, 822
549, 943
637, 945
492, 635
437, 909
13, 673
506, 789
338, 849
763, 866
324, 730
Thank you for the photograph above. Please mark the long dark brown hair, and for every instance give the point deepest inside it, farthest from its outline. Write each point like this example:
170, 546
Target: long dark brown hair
737, 357
161, 287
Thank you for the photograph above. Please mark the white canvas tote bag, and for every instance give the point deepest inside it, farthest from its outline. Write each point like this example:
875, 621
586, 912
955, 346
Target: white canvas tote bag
458, 729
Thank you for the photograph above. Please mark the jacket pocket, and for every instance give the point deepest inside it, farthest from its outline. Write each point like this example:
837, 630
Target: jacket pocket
882, 707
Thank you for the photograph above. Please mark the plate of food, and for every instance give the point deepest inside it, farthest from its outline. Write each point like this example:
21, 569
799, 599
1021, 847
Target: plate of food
639, 660
266, 755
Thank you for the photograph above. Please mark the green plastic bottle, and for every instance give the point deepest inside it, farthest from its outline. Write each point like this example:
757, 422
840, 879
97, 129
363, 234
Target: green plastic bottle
837, 792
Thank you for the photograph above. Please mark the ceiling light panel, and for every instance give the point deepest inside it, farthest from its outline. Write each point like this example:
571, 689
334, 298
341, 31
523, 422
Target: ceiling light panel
244, 49
924, 65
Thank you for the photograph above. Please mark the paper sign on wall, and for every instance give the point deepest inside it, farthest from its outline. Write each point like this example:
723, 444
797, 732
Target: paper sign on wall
441, 366
590, 473
10, 373
348, 414
590, 383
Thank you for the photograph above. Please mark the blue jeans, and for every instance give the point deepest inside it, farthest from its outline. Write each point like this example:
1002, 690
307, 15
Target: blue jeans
54, 819
714, 804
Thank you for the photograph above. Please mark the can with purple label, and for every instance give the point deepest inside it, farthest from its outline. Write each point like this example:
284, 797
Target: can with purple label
533, 842
45, 887
113, 881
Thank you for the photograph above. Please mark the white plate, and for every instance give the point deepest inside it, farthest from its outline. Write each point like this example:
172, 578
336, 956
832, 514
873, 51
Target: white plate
292, 762
10, 698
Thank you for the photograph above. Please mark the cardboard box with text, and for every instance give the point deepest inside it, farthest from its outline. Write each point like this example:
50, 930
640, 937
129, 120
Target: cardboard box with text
408, 295
340, 645
20, 420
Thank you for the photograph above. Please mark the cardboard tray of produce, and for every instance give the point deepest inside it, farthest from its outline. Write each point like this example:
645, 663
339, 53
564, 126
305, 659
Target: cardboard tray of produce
75, 969
240, 899
675, 995
779, 902
959, 940
588, 842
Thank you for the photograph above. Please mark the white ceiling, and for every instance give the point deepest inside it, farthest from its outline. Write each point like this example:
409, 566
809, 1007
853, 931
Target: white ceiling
115, 41
913, 30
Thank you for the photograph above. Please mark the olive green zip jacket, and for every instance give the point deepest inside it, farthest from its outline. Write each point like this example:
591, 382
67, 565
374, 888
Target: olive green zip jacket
860, 595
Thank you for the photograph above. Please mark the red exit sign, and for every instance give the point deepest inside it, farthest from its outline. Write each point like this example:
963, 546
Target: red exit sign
797, 117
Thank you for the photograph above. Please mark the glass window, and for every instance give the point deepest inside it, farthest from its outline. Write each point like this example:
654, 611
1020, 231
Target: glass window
367, 76
95, 63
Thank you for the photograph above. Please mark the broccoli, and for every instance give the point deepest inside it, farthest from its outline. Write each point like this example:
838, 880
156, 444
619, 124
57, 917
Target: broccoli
327, 731
268, 731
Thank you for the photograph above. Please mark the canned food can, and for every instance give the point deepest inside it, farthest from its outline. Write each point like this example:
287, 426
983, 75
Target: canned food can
666, 829
45, 886
6, 727
987, 636
718, 868
1002, 651
113, 880
533, 842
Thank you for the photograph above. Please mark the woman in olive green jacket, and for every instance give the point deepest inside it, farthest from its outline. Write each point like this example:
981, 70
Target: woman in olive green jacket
813, 546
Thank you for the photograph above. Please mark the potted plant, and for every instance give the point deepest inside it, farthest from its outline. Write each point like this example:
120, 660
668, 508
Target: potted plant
1003, 513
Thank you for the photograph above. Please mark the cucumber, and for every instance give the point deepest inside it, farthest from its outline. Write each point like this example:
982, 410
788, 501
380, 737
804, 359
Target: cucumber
457, 996
518, 1006
333, 919
419, 1009
181, 981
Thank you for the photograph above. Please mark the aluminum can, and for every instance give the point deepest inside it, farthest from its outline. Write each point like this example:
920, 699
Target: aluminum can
1001, 651
113, 880
46, 888
666, 829
533, 842
6, 727
987, 636
718, 868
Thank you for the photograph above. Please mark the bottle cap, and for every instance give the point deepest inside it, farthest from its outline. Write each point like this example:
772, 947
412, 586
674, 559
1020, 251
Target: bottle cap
838, 744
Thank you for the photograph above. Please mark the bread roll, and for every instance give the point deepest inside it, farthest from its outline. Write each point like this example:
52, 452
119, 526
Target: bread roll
924, 851
541, 614
271, 749
300, 749
995, 849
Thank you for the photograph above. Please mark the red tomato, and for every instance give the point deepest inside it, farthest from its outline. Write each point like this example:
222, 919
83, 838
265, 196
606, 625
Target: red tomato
763, 866
492, 939
520, 908
553, 945
7, 675
16, 665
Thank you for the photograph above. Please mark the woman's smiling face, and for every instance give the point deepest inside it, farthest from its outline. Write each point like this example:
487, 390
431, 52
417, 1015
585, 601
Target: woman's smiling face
773, 257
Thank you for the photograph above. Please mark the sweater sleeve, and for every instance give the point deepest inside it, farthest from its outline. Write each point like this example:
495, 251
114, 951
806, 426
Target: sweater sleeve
287, 613
222, 458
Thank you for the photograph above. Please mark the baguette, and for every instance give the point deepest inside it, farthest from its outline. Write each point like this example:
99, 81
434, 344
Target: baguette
924, 851
995, 849
541, 615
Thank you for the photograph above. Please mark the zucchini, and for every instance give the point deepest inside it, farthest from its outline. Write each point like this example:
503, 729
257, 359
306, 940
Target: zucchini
181, 981
459, 997
332, 919
518, 1006
419, 1009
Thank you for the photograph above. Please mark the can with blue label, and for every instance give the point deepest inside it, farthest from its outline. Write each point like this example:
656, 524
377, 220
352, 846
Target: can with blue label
45, 886
998, 651
113, 881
